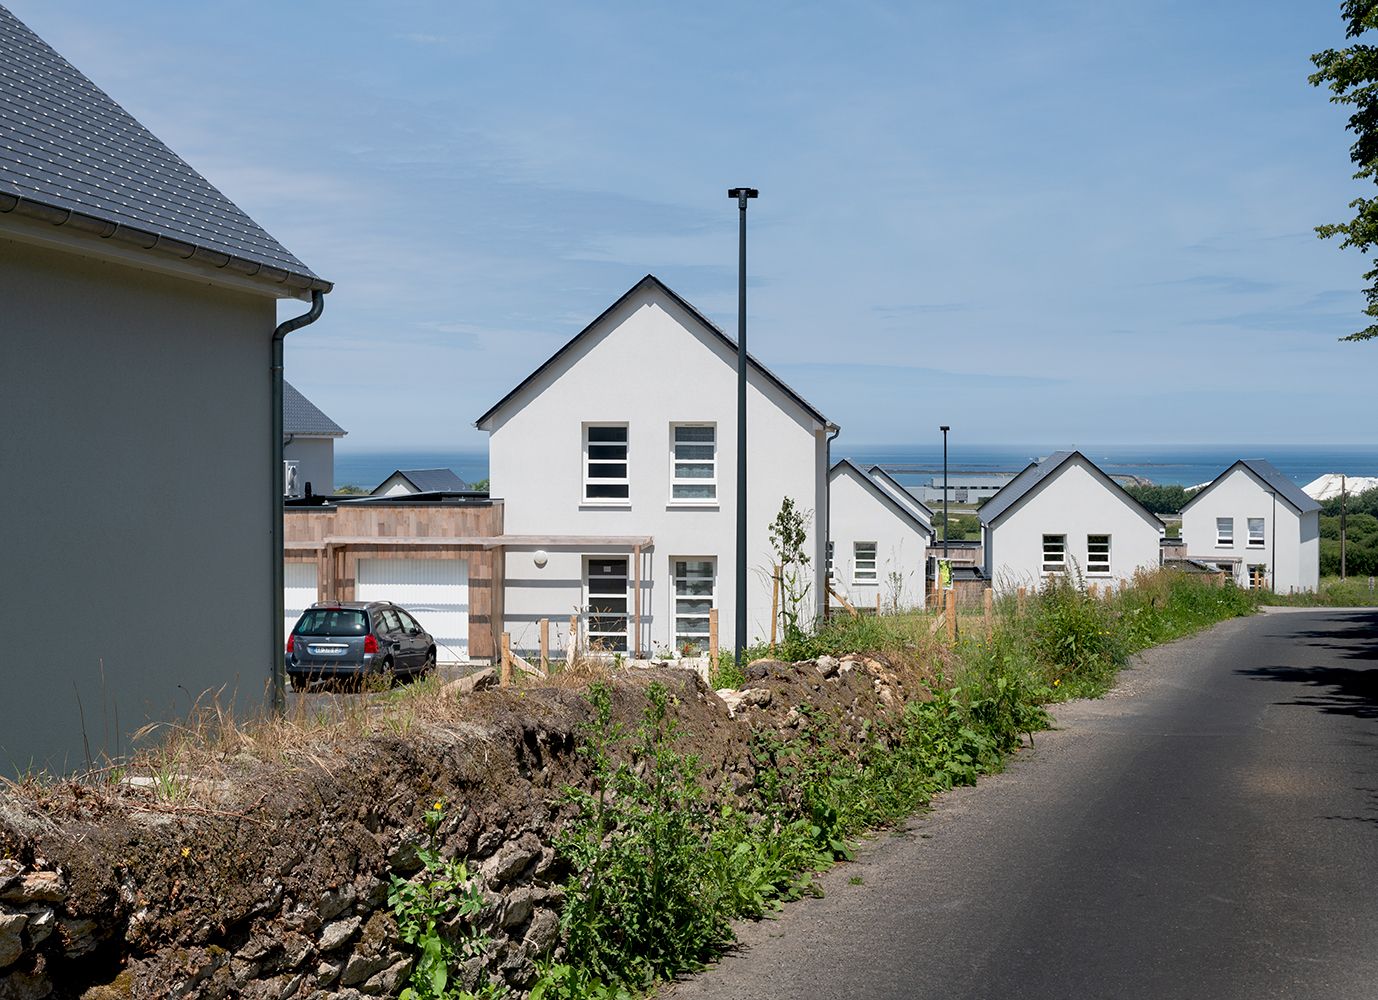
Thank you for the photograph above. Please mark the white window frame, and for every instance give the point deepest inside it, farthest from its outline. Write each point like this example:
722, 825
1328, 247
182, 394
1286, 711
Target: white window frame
860, 568
683, 637
591, 638
1262, 532
1094, 566
675, 462
624, 481
1060, 563
1224, 539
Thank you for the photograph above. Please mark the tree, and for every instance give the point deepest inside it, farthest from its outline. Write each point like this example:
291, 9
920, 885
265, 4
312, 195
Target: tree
788, 534
1352, 76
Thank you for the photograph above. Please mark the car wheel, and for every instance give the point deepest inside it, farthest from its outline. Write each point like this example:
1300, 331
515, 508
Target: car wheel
387, 673
296, 683
428, 667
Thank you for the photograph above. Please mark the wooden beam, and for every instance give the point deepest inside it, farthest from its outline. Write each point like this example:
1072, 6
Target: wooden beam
545, 645
505, 671
712, 637
1021, 596
951, 612
572, 648
844, 602
774, 602
989, 601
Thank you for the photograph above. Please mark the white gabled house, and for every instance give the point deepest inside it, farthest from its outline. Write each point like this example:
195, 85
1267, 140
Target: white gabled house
1257, 525
616, 460
1064, 514
879, 539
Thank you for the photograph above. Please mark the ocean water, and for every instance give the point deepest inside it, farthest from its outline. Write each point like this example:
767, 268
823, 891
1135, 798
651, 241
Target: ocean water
1184, 465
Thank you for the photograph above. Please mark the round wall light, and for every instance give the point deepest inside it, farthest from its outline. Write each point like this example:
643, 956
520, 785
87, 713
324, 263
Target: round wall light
540, 558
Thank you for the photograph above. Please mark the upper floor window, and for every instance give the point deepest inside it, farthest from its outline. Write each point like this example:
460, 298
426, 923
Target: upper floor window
1256, 532
1098, 553
1054, 553
1224, 531
694, 463
864, 562
605, 463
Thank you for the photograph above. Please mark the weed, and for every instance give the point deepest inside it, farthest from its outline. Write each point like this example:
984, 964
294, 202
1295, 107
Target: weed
435, 915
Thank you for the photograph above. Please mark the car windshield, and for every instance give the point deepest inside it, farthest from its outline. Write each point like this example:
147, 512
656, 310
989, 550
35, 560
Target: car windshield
332, 621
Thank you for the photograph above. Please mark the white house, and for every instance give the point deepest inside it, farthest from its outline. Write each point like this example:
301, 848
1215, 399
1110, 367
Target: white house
411, 482
1064, 514
1258, 525
140, 471
879, 539
617, 460
308, 445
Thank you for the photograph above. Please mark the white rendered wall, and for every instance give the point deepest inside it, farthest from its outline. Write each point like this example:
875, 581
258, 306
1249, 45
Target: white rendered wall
315, 458
1292, 553
1074, 502
650, 365
858, 515
142, 404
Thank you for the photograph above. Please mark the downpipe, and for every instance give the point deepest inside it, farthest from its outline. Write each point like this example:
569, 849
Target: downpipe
278, 677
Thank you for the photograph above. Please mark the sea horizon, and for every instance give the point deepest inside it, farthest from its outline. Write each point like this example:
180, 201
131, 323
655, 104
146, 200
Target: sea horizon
1166, 464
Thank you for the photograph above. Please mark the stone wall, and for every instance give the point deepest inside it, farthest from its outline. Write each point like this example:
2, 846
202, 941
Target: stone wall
267, 875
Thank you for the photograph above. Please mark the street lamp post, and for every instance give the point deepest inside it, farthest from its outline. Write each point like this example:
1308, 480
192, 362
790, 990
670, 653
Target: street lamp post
742, 194
946, 523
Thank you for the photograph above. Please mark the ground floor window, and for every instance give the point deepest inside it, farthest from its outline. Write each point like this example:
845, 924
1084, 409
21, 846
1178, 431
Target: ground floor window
694, 598
1054, 553
864, 562
1098, 554
606, 600
1258, 576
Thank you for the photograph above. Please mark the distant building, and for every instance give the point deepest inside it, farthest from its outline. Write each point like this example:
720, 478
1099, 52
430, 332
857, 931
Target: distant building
1331, 484
308, 445
879, 537
1257, 525
405, 482
1064, 515
967, 488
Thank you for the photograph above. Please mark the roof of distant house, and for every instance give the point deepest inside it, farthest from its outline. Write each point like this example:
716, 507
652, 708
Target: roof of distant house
304, 418
900, 491
651, 281
72, 156
429, 480
1332, 484
1036, 472
1273, 477
876, 489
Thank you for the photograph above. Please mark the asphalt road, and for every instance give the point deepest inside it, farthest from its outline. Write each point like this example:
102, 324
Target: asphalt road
1208, 830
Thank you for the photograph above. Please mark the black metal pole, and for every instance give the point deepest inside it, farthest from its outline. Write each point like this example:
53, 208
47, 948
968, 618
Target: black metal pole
739, 639
946, 523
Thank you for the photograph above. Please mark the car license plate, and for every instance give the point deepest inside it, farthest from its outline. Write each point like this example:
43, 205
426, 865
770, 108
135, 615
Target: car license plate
321, 650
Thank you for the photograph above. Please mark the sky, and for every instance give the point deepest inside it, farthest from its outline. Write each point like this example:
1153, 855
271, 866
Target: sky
1059, 223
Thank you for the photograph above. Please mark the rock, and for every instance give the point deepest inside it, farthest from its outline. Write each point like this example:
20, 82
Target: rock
11, 937
10, 870
37, 887
508, 863
518, 909
338, 933
542, 933
335, 901
78, 935
257, 948
42, 923
828, 665
361, 967
386, 983
328, 972
34, 985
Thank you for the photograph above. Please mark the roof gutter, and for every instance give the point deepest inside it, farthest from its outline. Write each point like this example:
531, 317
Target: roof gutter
132, 237
279, 668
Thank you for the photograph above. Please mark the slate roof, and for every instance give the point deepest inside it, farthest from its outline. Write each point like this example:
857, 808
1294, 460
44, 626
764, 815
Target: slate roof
1271, 475
899, 491
69, 154
303, 418
1036, 472
884, 495
651, 281
431, 480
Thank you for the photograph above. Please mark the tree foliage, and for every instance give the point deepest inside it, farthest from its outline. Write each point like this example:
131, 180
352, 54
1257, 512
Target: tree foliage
1351, 74
1161, 499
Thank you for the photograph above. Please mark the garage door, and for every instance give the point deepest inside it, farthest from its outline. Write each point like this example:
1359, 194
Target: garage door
298, 591
436, 591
